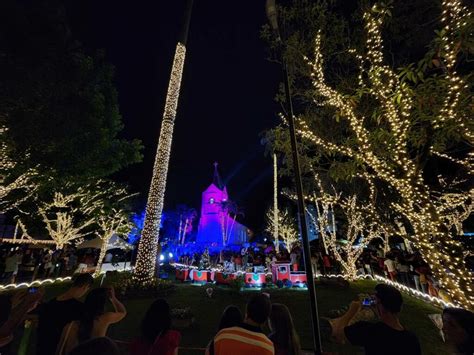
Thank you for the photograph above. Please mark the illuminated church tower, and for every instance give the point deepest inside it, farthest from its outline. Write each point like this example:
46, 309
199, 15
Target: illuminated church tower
215, 223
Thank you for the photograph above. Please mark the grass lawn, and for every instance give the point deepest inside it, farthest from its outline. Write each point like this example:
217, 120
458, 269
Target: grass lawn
207, 312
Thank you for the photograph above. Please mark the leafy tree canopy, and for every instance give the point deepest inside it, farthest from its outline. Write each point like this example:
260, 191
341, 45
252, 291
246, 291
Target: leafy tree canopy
58, 102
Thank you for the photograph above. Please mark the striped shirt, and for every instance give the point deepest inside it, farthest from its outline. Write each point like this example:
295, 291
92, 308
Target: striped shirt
243, 340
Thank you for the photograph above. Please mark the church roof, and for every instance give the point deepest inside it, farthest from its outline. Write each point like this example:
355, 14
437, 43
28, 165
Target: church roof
217, 181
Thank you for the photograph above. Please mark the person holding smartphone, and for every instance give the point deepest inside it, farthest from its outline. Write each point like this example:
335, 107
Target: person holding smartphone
388, 336
93, 322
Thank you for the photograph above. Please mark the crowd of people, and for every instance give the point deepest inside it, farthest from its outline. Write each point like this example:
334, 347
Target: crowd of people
25, 264
407, 268
66, 325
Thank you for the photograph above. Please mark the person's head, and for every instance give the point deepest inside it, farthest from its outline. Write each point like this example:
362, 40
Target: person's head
458, 328
258, 309
102, 345
388, 299
283, 330
157, 320
94, 306
230, 318
82, 284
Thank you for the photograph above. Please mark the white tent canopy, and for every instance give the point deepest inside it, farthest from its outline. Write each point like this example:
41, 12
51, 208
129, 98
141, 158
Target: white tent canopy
114, 243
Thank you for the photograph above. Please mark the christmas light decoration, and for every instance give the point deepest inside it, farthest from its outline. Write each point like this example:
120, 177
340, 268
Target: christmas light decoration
359, 233
37, 283
147, 249
417, 203
275, 203
61, 215
286, 228
9, 184
25, 238
116, 222
111, 217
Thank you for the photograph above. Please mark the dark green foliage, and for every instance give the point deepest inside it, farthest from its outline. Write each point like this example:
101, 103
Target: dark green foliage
58, 101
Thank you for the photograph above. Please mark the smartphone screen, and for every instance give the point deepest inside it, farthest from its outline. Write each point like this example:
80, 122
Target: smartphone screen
367, 302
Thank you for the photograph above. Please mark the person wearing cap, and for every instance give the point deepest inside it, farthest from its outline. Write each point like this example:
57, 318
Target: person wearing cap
388, 336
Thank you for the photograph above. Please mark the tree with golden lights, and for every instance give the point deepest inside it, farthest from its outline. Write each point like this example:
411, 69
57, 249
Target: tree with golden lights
111, 217
69, 216
397, 123
361, 226
148, 246
286, 225
15, 187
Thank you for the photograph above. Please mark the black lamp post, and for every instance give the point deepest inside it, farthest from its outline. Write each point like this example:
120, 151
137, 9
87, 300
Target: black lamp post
273, 19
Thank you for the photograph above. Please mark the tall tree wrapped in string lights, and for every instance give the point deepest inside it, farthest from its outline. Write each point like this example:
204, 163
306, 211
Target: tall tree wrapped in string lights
147, 249
395, 121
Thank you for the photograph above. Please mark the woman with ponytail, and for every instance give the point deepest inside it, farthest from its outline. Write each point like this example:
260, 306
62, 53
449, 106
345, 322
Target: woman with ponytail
93, 322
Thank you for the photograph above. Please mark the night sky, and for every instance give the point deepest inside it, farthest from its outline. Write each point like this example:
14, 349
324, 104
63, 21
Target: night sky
227, 95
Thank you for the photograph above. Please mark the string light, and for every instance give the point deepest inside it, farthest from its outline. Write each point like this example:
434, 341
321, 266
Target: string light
275, 228
417, 203
65, 227
363, 225
114, 223
23, 182
147, 248
25, 238
286, 228
46, 281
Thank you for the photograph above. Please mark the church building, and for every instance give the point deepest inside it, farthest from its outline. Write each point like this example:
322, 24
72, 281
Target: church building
217, 224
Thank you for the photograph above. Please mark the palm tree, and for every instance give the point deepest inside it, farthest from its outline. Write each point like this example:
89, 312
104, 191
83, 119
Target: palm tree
188, 216
229, 212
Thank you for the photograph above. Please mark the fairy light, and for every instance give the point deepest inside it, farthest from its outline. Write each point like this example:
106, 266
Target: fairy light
64, 227
275, 203
37, 283
147, 249
23, 182
114, 223
362, 223
417, 203
25, 238
286, 228
34, 283
454, 18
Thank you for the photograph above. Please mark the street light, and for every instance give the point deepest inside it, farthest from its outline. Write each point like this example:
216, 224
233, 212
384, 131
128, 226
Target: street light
273, 19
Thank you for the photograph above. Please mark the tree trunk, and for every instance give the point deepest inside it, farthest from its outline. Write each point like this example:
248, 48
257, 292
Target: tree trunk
445, 258
179, 228
231, 227
183, 237
103, 250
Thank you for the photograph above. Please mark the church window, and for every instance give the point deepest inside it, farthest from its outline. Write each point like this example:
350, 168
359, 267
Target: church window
211, 200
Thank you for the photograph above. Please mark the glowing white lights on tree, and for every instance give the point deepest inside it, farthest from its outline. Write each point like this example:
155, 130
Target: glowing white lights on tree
68, 216
147, 248
286, 224
275, 203
114, 222
417, 203
359, 232
112, 218
11, 183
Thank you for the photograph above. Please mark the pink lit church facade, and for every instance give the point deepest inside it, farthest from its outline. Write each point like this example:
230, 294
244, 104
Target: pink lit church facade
218, 229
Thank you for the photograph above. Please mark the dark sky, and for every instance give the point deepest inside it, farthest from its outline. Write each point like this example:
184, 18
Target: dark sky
226, 98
